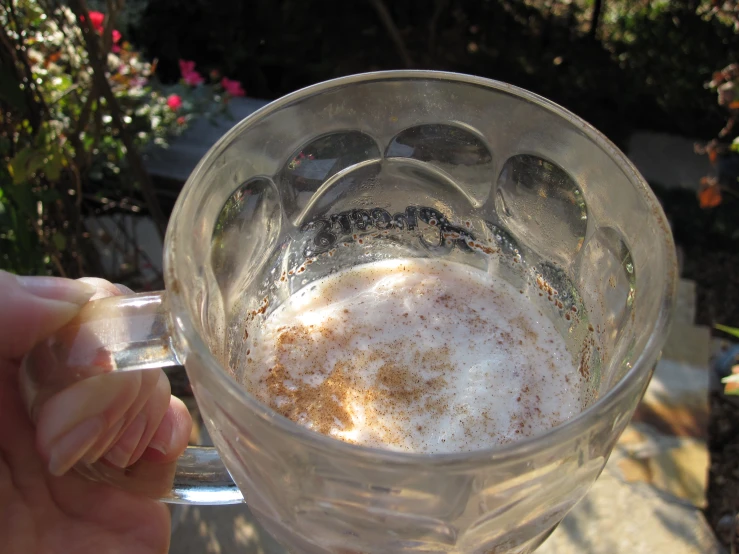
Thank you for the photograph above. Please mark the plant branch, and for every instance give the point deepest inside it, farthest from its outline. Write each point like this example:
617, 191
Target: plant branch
392, 30
50, 249
137, 249
134, 159
439, 8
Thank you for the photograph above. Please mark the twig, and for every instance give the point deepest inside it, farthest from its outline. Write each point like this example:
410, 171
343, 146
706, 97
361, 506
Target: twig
439, 8
110, 18
132, 242
392, 30
52, 250
74, 137
134, 159
74, 170
70, 90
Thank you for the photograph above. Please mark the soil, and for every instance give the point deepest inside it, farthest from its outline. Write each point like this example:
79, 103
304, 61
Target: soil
723, 479
710, 250
715, 273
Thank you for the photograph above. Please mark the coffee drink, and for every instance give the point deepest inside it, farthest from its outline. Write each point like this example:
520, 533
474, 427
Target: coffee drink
414, 355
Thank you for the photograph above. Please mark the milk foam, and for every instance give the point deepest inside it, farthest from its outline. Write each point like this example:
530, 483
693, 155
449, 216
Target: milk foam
414, 355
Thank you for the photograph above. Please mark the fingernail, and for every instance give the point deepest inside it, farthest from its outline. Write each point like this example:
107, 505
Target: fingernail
162, 439
58, 288
104, 443
120, 454
69, 448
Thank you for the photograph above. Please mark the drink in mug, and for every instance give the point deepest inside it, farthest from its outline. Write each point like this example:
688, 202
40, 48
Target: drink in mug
414, 355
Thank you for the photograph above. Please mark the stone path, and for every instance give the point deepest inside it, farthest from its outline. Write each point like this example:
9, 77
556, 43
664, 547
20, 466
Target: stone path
619, 518
219, 530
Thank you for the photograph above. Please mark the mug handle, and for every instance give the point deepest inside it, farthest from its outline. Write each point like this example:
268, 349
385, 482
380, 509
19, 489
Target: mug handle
125, 333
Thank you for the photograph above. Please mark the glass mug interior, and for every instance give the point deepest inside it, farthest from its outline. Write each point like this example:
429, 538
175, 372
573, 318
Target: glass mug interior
429, 165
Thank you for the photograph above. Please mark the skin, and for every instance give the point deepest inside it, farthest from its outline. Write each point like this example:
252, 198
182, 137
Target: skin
45, 507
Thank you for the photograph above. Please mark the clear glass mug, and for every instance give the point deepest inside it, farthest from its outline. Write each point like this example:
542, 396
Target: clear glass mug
369, 167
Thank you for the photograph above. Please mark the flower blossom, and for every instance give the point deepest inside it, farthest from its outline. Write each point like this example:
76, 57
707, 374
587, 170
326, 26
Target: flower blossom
232, 87
189, 75
96, 20
174, 102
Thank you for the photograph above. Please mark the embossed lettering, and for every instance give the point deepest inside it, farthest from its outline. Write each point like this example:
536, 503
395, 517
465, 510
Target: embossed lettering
329, 229
324, 238
343, 220
407, 220
361, 219
381, 218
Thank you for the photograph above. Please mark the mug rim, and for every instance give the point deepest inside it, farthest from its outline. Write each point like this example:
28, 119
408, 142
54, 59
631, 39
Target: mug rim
190, 339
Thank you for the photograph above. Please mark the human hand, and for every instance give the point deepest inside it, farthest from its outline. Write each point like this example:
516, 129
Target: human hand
115, 418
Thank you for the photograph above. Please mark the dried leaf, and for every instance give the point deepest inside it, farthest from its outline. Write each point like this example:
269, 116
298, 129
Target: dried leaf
732, 382
710, 197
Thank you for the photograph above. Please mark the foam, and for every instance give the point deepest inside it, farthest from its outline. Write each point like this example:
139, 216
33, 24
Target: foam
414, 355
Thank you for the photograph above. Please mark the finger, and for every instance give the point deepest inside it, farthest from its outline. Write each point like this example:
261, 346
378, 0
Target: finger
105, 289
127, 449
149, 380
57, 362
172, 435
71, 422
35, 307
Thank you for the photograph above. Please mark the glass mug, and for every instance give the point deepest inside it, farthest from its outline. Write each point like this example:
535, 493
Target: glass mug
380, 166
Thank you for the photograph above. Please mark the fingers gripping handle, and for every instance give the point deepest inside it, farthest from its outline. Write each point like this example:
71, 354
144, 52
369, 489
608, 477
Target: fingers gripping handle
125, 333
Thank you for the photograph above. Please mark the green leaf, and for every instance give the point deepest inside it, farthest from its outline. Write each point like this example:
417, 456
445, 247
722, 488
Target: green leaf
53, 167
25, 164
24, 199
733, 331
60, 241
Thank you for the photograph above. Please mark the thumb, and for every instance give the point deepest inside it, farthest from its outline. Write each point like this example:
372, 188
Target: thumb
34, 307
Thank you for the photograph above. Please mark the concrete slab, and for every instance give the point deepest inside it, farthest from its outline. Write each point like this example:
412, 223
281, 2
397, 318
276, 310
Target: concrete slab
669, 160
220, 530
620, 518
179, 159
688, 343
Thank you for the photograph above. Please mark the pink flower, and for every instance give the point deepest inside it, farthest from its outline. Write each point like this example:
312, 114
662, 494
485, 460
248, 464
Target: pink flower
189, 75
174, 102
96, 19
193, 79
181, 120
232, 87
186, 67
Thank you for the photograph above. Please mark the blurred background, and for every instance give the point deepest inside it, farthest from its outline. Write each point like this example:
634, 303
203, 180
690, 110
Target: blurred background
100, 99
